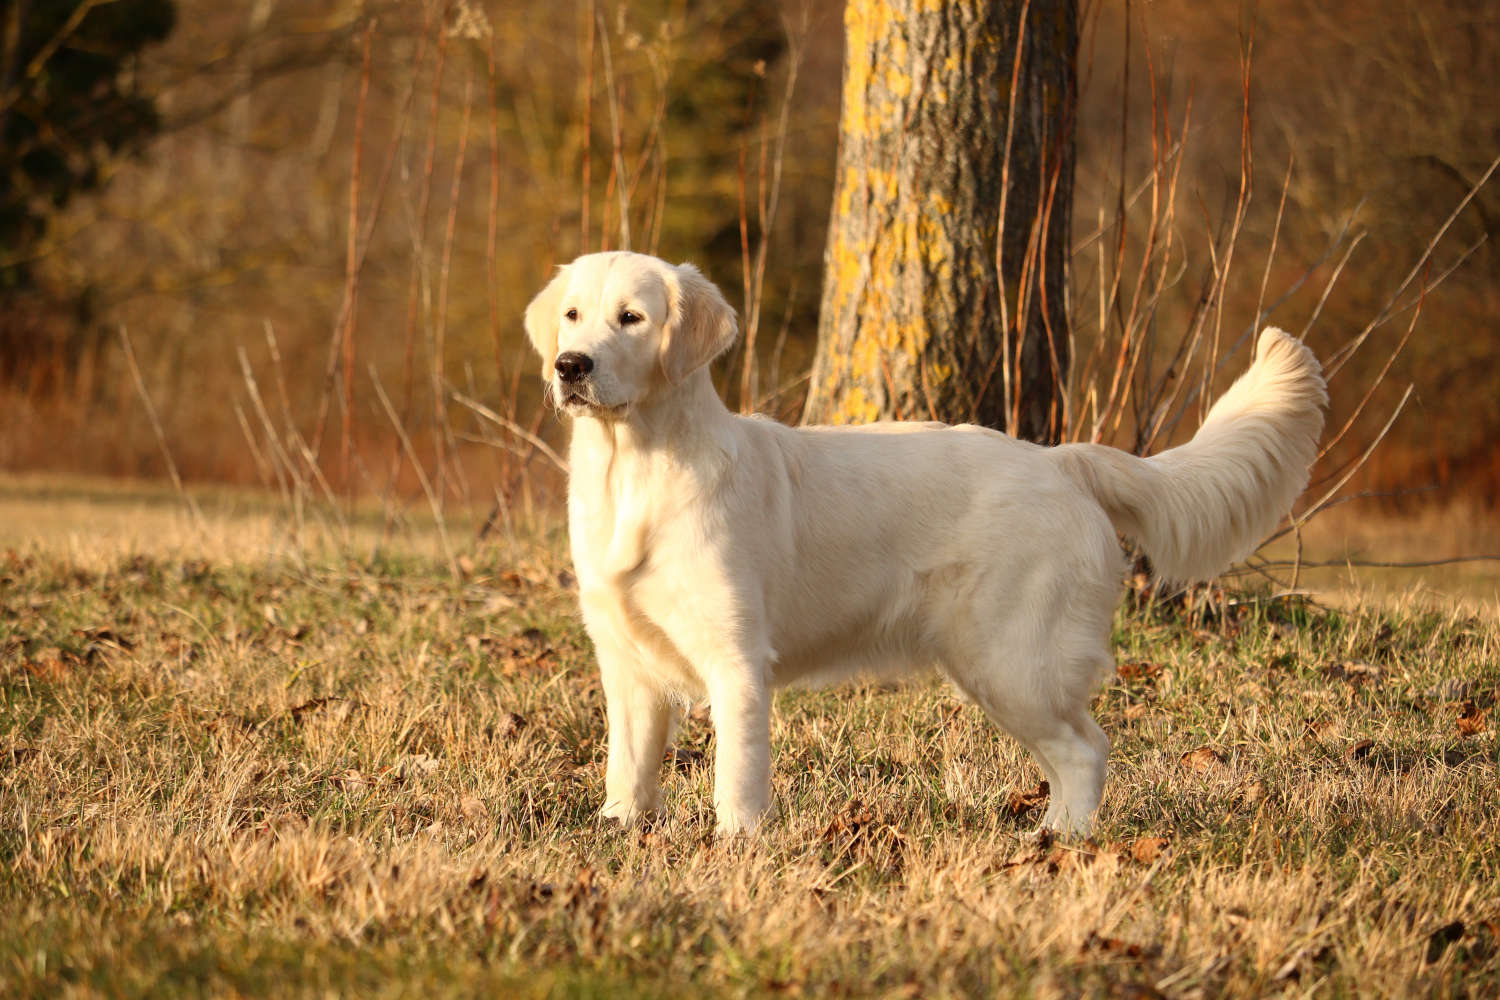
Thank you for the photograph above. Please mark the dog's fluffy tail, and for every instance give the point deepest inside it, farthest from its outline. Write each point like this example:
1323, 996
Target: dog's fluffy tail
1197, 508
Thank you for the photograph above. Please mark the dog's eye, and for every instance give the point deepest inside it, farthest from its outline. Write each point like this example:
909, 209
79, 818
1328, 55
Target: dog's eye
627, 317
572, 315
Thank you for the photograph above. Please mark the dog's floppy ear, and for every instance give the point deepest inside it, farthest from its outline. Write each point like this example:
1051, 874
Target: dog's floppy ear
700, 324
542, 319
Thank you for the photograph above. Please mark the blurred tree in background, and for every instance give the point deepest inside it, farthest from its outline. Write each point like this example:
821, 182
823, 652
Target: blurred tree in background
341, 193
69, 101
945, 294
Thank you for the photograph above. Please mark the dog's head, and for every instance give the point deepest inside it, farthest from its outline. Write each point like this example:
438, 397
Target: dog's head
614, 327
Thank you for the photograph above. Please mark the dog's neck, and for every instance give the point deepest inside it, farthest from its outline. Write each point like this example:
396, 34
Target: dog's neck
678, 443
674, 423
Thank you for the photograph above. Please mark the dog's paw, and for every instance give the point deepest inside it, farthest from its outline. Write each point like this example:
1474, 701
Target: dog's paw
734, 821
1059, 825
624, 813
1042, 836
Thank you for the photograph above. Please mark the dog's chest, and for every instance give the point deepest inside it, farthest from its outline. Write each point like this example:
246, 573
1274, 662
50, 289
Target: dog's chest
636, 577
648, 614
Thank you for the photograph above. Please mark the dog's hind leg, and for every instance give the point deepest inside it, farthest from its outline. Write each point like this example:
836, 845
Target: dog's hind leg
1067, 743
1027, 636
1078, 750
1034, 675
973, 689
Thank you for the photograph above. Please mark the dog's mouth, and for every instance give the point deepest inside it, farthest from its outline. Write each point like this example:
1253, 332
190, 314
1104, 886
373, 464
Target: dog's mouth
575, 402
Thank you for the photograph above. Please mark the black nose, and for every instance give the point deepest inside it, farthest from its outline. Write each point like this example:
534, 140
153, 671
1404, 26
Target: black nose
572, 366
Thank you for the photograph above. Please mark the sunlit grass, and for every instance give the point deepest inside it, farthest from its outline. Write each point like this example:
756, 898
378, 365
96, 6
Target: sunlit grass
223, 769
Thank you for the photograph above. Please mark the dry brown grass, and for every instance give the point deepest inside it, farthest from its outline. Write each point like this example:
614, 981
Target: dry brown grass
225, 770
1353, 556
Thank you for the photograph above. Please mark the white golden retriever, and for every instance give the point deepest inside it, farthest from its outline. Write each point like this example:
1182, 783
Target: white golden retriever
720, 556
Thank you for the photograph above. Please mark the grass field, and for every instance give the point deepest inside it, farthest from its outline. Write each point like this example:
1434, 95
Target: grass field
232, 763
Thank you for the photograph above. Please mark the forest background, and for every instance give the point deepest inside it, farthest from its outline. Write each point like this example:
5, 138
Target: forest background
342, 209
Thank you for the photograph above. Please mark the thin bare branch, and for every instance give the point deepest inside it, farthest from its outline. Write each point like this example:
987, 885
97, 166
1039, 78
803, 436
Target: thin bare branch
1377, 564
156, 428
1375, 443
511, 427
1340, 358
411, 456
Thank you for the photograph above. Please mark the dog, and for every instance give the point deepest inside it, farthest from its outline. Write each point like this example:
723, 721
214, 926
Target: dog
720, 556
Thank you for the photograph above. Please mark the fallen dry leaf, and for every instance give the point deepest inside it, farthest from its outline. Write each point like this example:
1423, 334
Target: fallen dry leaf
1140, 670
1063, 859
858, 833
1119, 948
1022, 802
509, 724
497, 604
1203, 760
1043, 852
49, 665
527, 649
1145, 850
1472, 719
1354, 672
1142, 850
1250, 793
1318, 728
855, 817
106, 636
416, 764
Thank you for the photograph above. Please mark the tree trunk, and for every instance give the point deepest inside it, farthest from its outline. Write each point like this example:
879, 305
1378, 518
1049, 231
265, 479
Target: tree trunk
916, 323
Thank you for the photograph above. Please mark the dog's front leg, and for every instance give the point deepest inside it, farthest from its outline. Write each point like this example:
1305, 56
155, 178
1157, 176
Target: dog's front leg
740, 703
640, 719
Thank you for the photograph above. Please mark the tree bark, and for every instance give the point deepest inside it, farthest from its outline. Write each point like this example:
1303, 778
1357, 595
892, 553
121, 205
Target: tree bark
929, 311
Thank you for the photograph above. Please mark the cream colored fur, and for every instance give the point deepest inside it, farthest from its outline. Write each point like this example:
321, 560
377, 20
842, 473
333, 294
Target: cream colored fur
721, 556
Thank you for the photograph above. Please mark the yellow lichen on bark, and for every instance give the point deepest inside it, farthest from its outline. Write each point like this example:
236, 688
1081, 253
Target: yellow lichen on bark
910, 310
875, 63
